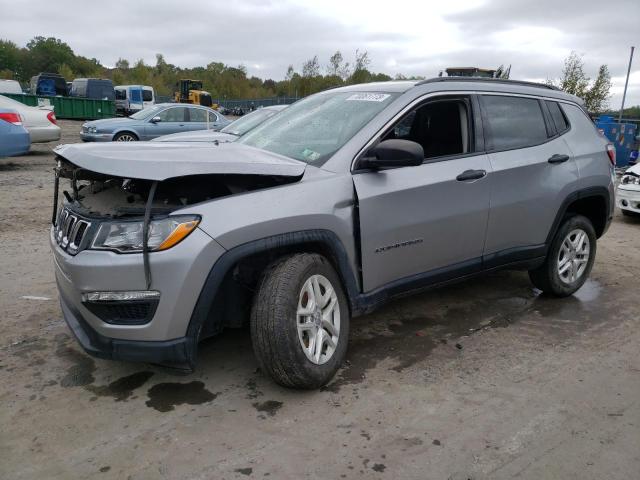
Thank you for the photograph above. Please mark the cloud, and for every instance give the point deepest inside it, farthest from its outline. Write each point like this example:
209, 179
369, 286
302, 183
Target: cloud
413, 38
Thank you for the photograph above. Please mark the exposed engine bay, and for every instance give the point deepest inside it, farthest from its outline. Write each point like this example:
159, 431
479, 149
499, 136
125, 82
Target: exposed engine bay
95, 194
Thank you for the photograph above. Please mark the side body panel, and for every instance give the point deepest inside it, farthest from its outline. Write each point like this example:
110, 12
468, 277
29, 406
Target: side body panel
417, 219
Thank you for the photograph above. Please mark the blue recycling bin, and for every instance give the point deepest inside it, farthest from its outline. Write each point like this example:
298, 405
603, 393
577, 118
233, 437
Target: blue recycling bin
621, 135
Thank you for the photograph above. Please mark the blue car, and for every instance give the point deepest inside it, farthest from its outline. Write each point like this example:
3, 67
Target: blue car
152, 122
14, 138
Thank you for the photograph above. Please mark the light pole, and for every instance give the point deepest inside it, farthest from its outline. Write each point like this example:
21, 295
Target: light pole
626, 82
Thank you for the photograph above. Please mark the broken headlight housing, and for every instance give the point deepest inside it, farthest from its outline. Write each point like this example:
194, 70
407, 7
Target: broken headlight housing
630, 180
126, 236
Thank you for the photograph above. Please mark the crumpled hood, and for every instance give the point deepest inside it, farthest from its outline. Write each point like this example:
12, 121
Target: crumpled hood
163, 160
197, 136
635, 169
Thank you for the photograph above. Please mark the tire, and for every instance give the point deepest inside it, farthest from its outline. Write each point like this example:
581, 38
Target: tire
125, 137
566, 267
282, 337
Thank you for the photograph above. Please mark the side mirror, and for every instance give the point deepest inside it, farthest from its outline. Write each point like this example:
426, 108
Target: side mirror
394, 153
156, 120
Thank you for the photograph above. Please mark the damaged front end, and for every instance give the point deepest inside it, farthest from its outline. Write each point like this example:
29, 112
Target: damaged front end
121, 301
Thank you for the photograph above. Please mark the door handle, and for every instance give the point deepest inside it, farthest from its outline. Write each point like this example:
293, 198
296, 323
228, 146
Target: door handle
557, 158
471, 175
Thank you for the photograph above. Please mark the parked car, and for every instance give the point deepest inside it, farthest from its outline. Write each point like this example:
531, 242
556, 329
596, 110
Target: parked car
14, 138
229, 133
48, 85
325, 212
40, 122
10, 86
147, 124
94, 88
628, 194
133, 98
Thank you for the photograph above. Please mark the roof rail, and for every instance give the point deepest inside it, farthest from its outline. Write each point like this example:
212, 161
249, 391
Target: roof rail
489, 80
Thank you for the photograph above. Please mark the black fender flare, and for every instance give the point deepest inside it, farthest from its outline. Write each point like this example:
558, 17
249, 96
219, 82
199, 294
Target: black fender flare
596, 191
231, 257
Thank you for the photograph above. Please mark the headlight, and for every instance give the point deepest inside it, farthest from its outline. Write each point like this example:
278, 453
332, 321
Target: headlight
126, 236
630, 180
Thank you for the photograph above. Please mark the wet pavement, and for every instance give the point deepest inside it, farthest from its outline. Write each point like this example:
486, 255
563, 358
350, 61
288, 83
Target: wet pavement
485, 379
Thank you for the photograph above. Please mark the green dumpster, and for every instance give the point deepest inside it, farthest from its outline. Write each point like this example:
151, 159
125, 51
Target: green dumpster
74, 108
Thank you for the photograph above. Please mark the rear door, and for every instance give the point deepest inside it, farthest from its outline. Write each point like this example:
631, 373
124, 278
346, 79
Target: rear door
533, 172
427, 223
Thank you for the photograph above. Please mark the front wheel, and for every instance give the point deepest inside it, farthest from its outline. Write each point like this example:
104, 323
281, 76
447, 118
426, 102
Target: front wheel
300, 322
569, 260
125, 137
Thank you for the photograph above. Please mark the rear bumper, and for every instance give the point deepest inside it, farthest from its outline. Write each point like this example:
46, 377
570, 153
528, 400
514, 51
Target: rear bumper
50, 133
176, 353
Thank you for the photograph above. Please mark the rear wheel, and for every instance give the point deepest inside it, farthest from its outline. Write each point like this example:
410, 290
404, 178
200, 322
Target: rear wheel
300, 322
125, 137
569, 260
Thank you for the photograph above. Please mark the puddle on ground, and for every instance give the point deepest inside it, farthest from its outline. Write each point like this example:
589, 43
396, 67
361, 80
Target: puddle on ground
270, 407
408, 330
80, 373
165, 396
122, 388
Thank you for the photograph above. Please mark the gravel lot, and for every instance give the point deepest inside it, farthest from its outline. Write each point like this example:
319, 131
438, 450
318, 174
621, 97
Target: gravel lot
482, 380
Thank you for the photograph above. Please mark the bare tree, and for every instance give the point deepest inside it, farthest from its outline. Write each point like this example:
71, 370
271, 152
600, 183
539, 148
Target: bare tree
311, 68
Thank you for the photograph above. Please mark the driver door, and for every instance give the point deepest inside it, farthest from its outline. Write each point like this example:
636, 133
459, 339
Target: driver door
172, 120
427, 223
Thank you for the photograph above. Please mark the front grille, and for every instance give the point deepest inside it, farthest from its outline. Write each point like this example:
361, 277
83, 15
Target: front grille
70, 231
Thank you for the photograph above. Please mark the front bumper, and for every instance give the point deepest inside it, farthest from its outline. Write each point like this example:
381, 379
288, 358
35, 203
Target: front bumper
176, 353
96, 137
628, 199
177, 273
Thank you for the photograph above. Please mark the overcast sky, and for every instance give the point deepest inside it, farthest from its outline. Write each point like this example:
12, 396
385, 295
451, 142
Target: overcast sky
408, 37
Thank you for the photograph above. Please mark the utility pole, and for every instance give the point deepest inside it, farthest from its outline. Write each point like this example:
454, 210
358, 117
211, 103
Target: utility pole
626, 82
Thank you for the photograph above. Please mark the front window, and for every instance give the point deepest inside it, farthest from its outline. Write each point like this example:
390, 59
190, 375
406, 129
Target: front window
146, 113
314, 128
248, 122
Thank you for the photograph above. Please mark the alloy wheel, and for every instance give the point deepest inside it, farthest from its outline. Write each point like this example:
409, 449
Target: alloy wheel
318, 319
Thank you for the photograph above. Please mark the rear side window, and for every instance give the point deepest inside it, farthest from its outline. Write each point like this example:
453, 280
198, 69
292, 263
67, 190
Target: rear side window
147, 95
558, 117
513, 122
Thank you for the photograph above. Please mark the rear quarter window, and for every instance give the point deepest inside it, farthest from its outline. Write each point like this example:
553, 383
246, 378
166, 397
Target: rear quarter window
513, 122
558, 117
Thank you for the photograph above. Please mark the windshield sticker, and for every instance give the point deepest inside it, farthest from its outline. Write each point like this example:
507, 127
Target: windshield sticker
310, 155
368, 97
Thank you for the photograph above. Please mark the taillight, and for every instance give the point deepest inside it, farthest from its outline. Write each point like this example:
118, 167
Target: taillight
52, 118
13, 118
611, 151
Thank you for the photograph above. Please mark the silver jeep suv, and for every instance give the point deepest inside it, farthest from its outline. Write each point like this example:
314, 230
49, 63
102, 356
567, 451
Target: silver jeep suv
342, 201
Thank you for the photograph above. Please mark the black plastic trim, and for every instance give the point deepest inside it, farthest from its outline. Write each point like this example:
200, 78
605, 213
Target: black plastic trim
173, 353
233, 256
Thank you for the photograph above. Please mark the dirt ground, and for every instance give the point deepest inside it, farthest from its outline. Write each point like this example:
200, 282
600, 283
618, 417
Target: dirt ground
482, 380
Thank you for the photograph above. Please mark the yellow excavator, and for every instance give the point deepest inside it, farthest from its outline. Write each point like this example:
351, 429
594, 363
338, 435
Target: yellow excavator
190, 91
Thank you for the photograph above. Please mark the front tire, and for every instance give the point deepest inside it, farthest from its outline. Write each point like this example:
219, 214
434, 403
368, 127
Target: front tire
125, 137
300, 322
569, 260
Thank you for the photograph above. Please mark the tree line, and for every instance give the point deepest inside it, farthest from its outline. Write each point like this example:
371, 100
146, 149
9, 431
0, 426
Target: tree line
222, 81
233, 82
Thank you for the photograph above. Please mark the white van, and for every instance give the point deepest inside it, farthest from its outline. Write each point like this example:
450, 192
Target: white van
133, 98
10, 86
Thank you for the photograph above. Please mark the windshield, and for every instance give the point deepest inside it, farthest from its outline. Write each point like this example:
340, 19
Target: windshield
146, 113
248, 122
314, 128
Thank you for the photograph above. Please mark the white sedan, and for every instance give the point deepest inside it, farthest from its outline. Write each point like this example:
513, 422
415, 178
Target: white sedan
628, 195
40, 122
